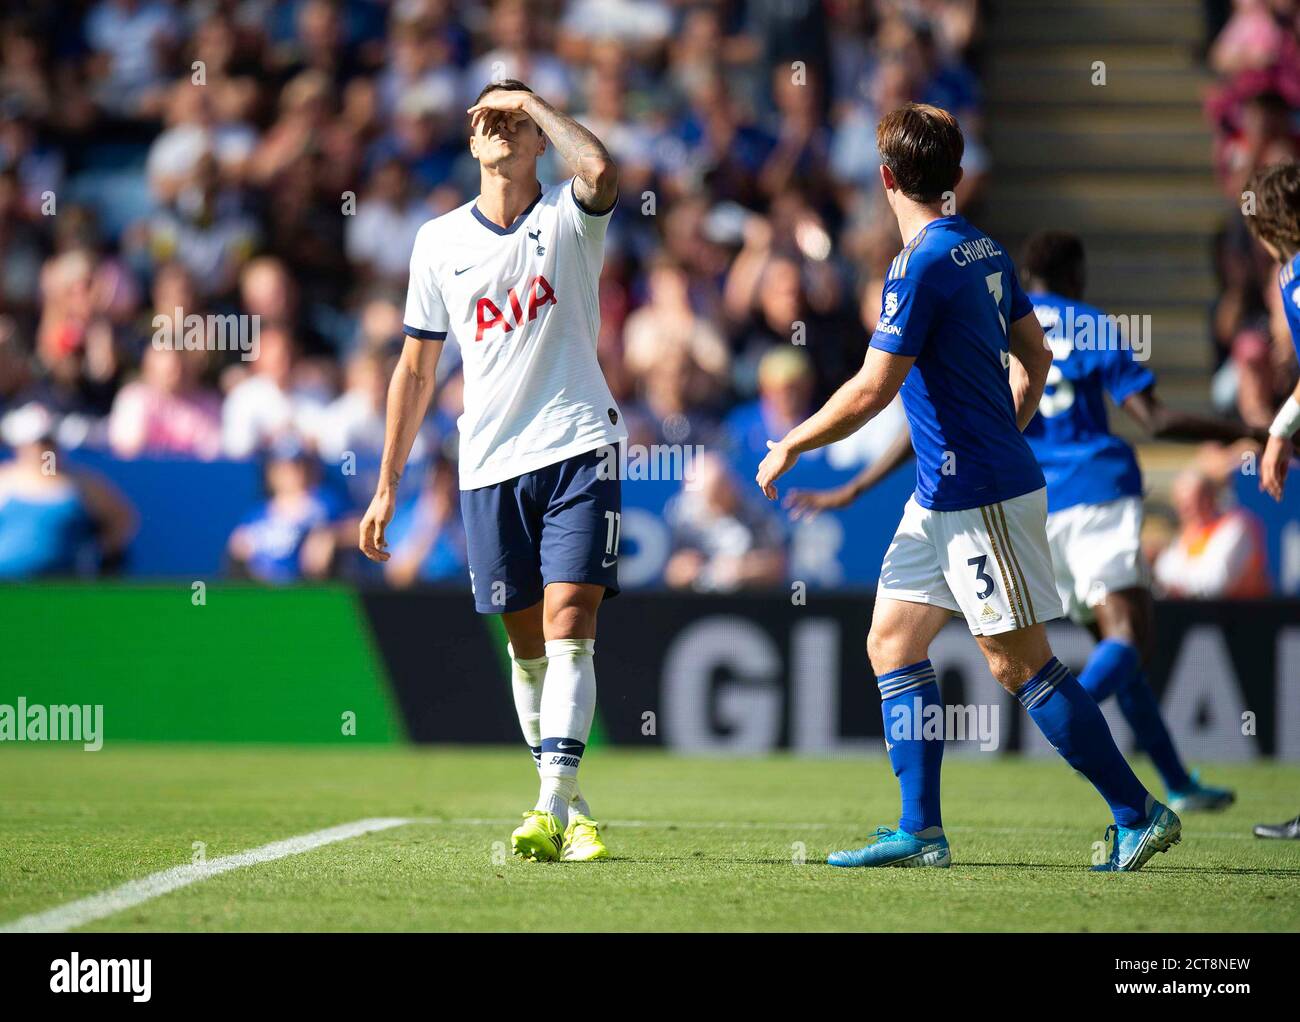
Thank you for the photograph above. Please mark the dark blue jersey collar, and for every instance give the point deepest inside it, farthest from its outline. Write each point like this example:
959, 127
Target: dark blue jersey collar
497, 228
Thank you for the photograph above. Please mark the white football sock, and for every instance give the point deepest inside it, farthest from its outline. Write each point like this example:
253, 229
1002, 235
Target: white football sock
526, 678
568, 706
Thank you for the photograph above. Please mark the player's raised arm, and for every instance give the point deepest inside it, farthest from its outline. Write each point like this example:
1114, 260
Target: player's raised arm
848, 410
596, 173
409, 393
1031, 359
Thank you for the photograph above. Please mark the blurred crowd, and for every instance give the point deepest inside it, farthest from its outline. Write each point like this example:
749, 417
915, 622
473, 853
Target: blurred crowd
270, 161
274, 158
1254, 110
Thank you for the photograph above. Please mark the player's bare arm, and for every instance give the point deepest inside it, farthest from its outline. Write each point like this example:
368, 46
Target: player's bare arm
596, 184
409, 394
1031, 359
806, 503
1280, 448
865, 396
1164, 423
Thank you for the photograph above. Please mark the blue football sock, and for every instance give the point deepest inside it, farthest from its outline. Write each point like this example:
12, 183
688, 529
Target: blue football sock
1071, 720
1142, 711
904, 696
1112, 666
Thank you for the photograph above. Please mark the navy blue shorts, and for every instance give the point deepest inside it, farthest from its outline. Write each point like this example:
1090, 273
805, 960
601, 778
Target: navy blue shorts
558, 524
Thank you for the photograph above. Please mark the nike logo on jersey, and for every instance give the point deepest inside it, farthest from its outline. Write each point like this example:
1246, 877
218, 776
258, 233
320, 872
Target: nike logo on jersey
539, 293
467, 268
609, 563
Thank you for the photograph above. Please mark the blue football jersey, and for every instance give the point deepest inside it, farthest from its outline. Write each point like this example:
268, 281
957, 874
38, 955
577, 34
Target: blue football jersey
1290, 285
948, 301
1084, 462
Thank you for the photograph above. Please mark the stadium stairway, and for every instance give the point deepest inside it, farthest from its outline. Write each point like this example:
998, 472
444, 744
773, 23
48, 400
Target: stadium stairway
1127, 165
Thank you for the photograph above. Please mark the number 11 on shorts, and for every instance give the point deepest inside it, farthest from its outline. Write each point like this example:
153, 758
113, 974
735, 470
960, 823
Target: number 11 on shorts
613, 526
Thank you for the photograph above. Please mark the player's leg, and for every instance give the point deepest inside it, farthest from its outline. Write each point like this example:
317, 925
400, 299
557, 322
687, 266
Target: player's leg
569, 698
1009, 571
528, 663
1103, 554
1072, 721
898, 647
527, 649
1126, 622
579, 558
502, 537
912, 604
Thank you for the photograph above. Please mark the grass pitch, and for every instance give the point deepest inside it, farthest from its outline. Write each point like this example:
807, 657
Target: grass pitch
697, 845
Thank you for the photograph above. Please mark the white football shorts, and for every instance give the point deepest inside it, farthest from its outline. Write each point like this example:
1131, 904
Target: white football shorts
1097, 549
990, 564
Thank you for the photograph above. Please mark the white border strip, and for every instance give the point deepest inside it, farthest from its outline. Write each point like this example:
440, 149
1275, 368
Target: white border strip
135, 892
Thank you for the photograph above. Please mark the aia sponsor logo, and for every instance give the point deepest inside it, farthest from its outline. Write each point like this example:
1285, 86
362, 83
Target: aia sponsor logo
516, 310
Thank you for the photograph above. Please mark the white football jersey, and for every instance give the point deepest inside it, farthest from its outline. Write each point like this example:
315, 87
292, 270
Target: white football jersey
522, 304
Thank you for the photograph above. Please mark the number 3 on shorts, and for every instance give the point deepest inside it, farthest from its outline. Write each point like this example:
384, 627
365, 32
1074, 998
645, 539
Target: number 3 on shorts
982, 576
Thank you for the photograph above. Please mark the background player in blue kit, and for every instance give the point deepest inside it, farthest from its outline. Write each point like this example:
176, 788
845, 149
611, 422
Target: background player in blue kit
957, 336
1276, 224
1094, 492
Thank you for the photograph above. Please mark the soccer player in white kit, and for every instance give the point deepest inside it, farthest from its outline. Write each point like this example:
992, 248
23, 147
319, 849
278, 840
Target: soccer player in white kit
512, 277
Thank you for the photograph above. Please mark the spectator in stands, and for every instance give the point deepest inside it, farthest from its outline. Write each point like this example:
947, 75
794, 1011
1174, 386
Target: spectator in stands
22, 250
667, 412
785, 392
783, 309
167, 411
723, 539
206, 228
1255, 37
196, 131
350, 432
515, 53
669, 321
131, 41
55, 520
726, 146
272, 402
382, 233
1217, 554
290, 537
75, 347
426, 540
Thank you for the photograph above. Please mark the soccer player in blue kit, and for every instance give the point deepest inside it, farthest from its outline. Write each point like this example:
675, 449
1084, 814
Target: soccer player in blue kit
958, 337
1276, 223
1094, 493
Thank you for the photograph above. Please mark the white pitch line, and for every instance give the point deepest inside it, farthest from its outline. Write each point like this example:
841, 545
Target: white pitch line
135, 892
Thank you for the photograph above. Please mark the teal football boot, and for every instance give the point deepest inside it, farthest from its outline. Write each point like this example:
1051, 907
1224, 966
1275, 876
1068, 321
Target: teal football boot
897, 848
